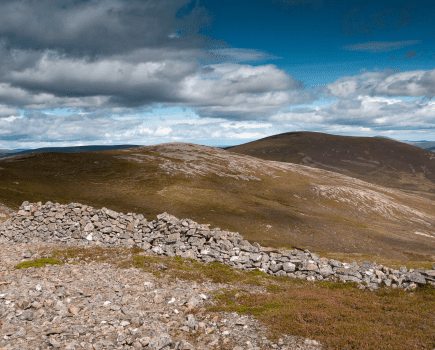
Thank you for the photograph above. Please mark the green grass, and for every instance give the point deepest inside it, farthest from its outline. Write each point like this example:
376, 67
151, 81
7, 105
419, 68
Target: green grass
38, 263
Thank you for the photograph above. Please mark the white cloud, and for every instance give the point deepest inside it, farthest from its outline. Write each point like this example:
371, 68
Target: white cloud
31, 101
163, 131
389, 83
226, 90
28, 130
7, 111
363, 114
242, 91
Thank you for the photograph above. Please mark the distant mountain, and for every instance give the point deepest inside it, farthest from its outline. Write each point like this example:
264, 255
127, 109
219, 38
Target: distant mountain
377, 160
12, 150
74, 149
429, 145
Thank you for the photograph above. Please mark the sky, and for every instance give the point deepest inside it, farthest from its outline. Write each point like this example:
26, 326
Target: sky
213, 72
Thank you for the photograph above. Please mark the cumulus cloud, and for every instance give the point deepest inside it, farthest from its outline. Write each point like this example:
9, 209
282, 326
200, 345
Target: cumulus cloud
387, 83
42, 127
242, 91
131, 84
363, 114
6, 111
38, 128
227, 89
109, 54
100, 28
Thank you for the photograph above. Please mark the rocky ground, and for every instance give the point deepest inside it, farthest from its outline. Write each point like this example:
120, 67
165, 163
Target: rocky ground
96, 306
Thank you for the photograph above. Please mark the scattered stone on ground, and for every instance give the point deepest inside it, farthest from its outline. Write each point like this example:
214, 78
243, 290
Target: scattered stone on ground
94, 306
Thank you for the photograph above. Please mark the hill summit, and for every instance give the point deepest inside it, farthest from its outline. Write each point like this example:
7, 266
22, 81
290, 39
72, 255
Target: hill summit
377, 160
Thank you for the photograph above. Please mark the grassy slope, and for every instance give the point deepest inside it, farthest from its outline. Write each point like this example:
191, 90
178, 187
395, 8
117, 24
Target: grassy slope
278, 211
377, 160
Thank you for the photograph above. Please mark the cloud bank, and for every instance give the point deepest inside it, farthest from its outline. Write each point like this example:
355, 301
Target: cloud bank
109, 61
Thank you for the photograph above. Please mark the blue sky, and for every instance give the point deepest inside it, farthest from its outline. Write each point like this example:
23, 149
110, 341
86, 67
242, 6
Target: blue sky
213, 72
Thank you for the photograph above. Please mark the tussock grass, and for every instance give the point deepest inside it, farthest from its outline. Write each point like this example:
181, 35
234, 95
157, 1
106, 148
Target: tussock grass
339, 315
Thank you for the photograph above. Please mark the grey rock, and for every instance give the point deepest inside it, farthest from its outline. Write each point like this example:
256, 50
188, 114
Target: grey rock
416, 277
289, 267
335, 263
366, 265
325, 270
349, 272
308, 265
160, 341
347, 278
112, 214
388, 282
191, 322
403, 269
27, 315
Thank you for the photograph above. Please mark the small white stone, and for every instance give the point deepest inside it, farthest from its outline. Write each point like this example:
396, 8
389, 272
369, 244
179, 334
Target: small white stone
89, 237
38, 287
107, 303
103, 322
203, 296
124, 323
176, 311
171, 301
225, 333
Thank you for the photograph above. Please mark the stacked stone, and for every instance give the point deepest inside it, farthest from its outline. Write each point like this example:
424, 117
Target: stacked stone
167, 235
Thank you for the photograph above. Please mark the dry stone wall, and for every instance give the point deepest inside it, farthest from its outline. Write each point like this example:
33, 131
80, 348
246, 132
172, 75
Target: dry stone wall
168, 235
